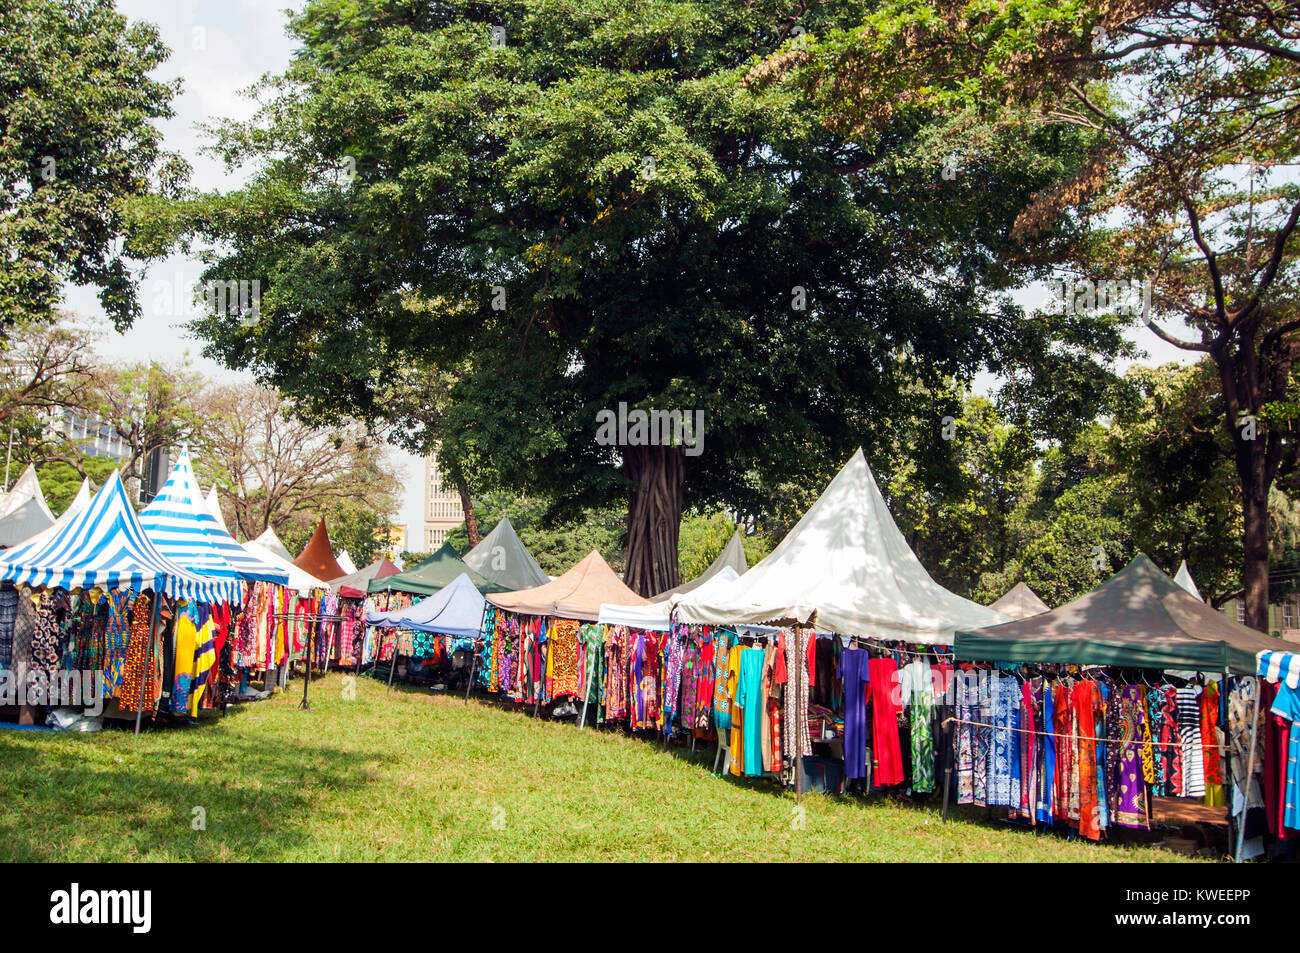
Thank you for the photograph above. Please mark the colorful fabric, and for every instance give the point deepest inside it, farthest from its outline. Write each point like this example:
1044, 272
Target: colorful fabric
1132, 809
135, 674
565, 673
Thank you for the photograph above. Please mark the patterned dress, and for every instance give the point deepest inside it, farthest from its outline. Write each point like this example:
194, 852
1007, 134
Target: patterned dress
135, 672
116, 637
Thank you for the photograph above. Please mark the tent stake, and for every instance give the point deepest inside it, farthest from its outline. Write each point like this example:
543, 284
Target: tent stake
148, 653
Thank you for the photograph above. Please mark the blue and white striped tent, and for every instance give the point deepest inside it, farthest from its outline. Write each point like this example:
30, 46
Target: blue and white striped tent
1280, 667
180, 524
105, 546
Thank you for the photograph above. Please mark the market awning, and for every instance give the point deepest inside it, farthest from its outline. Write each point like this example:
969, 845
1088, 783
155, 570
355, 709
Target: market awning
1139, 618
456, 610
105, 546
846, 568
502, 558
578, 594
436, 572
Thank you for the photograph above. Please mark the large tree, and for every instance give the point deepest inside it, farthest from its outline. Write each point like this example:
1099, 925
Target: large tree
77, 143
1195, 108
583, 204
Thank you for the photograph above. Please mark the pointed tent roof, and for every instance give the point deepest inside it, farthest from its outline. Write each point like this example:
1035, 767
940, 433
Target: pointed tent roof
732, 557
106, 546
214, 507
180, 524
456, 610
845, 567
1138, 618
26, 489
346, 563
1184, 579
299, 579
23, 523
657, 616
318, 556
78, 505
578, 594
271, 543
436, 572
1020, 602
353, 585
502, 557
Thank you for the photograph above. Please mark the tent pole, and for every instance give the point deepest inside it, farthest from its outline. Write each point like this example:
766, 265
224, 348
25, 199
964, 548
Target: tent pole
947, 742
148, 652
473, 652
1226, 769
473, 666
586, 692
392, 663
305, 705
1250, 772
800, 711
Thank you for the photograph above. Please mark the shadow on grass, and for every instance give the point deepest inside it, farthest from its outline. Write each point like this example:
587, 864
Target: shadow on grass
259, 799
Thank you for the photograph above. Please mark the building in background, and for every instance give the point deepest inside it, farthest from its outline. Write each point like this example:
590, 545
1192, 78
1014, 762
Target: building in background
442, 510
1283, 615
393, 539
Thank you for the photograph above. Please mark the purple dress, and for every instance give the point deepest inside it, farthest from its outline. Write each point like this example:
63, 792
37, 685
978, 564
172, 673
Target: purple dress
853, 666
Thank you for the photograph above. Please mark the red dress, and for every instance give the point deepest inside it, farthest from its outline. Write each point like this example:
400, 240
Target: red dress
885, 707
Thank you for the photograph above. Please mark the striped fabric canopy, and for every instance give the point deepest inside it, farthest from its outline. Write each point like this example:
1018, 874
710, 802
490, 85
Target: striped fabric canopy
1280, 667
105, 546
180, 524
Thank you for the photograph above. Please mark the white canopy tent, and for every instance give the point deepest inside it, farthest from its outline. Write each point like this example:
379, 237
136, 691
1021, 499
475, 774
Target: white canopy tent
77, 506
845, 568
26, 489
214, 507
299, 579
1184, 579
271, 543
344, 560
656, 617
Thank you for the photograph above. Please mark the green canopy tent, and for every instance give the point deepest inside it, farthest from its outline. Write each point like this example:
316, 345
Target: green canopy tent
1139, 618
732, 556
436, 572
502, 557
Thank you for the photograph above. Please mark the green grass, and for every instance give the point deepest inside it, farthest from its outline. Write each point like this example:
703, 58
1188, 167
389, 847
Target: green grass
412, 776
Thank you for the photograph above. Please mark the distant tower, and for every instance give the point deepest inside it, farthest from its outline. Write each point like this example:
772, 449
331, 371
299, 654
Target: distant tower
442, 510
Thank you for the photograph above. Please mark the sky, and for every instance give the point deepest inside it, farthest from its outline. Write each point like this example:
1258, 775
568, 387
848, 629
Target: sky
219, 49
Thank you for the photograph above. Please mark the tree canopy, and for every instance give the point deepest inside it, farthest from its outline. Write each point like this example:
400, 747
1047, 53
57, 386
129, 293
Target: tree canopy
576, 205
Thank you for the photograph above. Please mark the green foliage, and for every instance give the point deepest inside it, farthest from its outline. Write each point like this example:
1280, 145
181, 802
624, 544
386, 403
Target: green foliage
60, 481
556, 544
76, 109
647, 220
702, 538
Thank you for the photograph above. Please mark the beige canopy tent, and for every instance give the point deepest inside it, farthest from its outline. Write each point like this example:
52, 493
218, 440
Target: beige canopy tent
1020, 602
578, 594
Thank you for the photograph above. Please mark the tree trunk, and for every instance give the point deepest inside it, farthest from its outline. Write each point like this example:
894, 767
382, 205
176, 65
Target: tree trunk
471, 518
1255, 570
654, 516
457, 477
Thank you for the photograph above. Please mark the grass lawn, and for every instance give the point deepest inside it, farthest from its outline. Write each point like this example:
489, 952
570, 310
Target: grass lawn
418, 777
